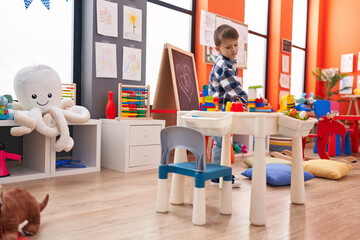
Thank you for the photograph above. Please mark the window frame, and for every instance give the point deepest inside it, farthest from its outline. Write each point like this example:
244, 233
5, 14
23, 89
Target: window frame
304, 49
77, 48
267, 48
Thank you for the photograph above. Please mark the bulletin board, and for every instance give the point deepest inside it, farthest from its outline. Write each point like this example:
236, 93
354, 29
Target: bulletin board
210, 54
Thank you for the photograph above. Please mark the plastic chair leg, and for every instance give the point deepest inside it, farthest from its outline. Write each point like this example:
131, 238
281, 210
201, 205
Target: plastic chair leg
315, 147
347, 144
226, 198
162, 196
338, 145
199, 208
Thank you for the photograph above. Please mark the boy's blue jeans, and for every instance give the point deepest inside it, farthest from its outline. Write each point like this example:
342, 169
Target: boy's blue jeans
216, 151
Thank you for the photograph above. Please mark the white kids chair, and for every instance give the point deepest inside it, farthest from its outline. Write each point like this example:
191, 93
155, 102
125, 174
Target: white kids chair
194, 141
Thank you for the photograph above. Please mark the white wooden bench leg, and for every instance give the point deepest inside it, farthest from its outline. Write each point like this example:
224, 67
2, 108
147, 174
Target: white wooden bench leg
199, 207
162, 196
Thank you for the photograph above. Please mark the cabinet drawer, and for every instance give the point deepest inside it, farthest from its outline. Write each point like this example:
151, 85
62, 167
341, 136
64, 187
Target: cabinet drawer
144, 135
144, 155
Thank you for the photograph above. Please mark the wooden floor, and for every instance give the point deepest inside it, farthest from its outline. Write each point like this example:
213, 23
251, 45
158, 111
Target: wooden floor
113, 205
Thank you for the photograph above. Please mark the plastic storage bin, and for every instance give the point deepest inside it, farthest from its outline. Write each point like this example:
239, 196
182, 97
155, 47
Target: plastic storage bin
210, 124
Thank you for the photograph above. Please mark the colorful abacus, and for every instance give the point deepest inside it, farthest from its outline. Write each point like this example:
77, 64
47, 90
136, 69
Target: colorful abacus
69, 91
133, 102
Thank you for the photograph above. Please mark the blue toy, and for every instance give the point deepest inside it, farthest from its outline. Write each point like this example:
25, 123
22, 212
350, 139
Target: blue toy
6, 103
67, 163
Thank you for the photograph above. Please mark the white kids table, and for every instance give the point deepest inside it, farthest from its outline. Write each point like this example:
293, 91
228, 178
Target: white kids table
223, 124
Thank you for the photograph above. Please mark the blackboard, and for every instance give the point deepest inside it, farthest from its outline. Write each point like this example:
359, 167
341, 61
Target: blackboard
177, 86
286, 45
185, 79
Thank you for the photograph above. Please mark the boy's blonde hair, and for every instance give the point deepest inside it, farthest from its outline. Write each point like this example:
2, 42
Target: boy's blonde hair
225, 31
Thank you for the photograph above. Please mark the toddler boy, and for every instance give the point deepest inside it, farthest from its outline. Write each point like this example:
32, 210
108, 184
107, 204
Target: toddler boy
224, 82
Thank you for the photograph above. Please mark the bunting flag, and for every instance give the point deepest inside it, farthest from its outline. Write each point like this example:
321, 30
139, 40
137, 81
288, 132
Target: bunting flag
45, 2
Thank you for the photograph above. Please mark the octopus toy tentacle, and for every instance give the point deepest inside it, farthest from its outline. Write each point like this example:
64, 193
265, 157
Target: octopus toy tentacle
28, 124
76, 114
67, 103
65, 142
42, 126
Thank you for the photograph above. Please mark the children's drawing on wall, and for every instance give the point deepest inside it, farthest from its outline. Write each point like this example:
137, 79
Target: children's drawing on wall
285, 63
285, 80
347, 63
105, 60
207, 27
131, 64
346, 82
132, 23
211, 55
107, 18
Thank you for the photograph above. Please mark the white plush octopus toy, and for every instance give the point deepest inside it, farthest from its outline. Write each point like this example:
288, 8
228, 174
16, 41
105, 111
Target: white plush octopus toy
38, 89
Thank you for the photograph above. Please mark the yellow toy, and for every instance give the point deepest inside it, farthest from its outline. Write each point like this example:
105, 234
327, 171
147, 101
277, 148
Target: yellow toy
287, 102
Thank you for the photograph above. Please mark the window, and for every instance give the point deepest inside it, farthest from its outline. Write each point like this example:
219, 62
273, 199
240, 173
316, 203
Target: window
256, 17
161, 30
298, 50
35, 36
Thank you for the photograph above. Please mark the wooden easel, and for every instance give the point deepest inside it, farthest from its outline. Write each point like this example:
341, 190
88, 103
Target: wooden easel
175, 92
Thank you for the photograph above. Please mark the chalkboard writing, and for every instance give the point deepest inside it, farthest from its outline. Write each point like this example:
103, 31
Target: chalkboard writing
286, 46
186, 82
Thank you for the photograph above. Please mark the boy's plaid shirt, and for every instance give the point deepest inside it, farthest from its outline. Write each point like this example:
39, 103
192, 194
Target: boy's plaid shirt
224, 82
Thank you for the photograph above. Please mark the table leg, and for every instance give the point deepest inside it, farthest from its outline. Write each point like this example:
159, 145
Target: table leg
178, 181
350, 106
297, 173
356, 106
225, 154
258, 182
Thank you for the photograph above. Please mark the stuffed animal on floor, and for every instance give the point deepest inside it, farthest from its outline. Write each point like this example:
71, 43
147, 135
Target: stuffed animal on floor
16, 206
38, 89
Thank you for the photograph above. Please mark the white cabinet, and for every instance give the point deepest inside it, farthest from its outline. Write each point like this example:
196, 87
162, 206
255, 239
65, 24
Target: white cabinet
130, 145
39, 157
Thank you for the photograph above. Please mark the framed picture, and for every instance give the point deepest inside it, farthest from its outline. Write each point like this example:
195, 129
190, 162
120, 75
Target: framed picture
210, 55
285, 45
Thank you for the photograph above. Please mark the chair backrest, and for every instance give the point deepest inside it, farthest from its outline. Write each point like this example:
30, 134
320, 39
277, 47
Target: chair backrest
334, 106
321, 108
182, 137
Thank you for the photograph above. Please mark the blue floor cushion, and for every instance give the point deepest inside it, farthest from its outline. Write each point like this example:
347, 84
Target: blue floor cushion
278, 174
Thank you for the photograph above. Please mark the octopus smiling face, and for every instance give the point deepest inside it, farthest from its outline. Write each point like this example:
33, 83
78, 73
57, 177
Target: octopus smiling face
38, 86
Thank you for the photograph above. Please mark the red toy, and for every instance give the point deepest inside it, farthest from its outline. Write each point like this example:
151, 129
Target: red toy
327, 126
110, 107
3, 155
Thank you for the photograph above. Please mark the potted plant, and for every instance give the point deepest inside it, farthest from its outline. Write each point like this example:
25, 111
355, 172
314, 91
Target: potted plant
330, 80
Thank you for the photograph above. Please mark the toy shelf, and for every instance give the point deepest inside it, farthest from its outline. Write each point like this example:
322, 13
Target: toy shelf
86, 149
36, 148
39, 157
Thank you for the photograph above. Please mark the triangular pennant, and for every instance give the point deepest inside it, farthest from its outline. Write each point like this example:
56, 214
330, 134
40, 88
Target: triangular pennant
46, 3
27, 3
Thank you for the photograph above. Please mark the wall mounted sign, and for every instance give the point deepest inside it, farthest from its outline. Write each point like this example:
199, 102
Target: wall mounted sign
286, 45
